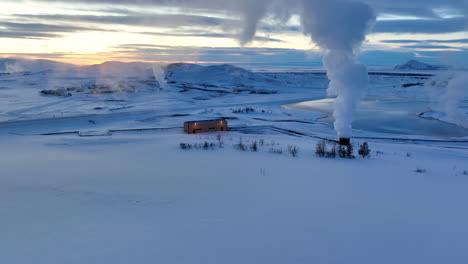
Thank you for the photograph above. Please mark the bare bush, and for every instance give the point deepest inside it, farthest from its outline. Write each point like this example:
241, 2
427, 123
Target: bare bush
254, 146
185, 146
240, 146
219, 138
293, 150
276, 150
244, 110
320, 149
205, 146
350, 151
364, 150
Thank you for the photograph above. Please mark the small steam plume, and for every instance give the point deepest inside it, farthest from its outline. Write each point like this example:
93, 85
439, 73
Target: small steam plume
447, 91
454, 86
340, 27
160, 75
455, 93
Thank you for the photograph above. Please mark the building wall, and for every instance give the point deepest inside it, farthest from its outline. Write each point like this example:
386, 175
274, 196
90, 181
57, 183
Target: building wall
205, 127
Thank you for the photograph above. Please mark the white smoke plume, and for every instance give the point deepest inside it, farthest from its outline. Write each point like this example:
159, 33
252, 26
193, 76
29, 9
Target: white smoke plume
160, 75
455, 93
340, 27
448, 90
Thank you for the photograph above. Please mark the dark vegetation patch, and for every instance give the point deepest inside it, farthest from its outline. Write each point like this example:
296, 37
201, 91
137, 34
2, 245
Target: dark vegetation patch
244, 110
58, 92
329, 149
243, 145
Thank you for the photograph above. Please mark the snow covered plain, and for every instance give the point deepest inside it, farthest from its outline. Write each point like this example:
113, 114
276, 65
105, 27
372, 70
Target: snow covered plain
131, 195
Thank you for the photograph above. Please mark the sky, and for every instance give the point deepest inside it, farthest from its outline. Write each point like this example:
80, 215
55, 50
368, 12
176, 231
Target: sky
219, 31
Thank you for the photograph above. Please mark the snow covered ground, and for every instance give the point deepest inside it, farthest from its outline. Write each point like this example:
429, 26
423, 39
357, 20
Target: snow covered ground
132, 195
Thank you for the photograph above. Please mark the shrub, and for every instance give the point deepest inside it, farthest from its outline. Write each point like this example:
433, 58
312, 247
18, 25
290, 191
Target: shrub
350, 151
276, 150
185, 146
219, 138
364, 150
240, 146
206, 145
293, 150
254, 146
245, 110
320, 149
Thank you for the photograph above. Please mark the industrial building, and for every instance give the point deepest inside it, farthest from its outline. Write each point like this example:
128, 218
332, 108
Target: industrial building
205, 126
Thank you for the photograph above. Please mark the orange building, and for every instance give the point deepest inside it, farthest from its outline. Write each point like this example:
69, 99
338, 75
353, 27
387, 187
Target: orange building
205, 126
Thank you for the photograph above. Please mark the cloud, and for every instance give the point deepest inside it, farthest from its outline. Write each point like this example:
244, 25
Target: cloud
206, 54
207, 35
249, 56
41, 27
27, 35
427, 46
428, 26
147, 20
243, 18
240, 19
38, 30
425, 41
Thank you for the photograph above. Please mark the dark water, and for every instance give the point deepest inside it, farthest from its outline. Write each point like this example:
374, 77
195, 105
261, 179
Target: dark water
389, 115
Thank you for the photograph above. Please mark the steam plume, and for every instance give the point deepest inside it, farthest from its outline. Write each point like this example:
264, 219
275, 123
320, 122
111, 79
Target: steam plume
455, 93
160, 75
340, 27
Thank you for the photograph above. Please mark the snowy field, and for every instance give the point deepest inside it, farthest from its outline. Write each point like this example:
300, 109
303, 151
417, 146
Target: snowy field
95, 173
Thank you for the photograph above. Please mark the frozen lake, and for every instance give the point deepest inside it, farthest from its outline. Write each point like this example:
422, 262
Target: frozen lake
389, 115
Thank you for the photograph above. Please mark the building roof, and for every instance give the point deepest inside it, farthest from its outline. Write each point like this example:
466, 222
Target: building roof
205, 121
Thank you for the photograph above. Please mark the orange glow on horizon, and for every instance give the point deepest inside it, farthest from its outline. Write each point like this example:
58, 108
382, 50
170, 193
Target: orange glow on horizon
87, 60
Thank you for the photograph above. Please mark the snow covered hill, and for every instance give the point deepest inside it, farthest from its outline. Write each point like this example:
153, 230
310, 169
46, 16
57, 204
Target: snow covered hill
16, 65
419, 66
215, 74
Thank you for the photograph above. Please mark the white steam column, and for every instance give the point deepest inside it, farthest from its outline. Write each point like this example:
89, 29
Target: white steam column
160, 75
340, 27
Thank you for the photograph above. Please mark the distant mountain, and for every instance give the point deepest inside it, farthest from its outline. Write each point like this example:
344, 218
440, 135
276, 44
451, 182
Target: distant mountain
17, 65
176, 72
419, 66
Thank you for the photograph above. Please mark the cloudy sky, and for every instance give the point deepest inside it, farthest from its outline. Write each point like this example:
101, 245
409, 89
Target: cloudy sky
93, 31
